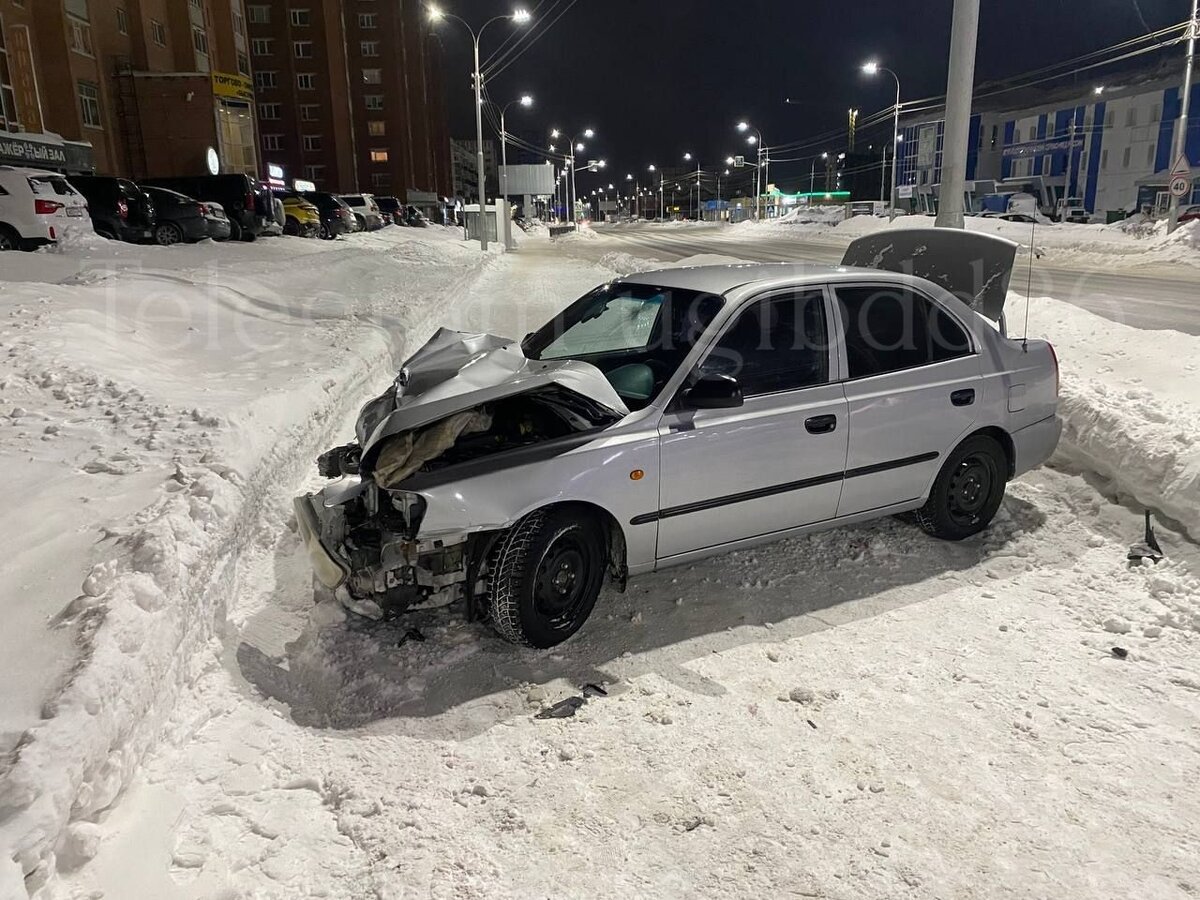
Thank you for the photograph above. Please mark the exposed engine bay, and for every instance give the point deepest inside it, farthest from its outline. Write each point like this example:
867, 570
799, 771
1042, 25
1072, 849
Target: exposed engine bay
363, 532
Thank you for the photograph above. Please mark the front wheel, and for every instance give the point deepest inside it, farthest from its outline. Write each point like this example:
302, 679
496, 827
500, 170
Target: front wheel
968, 490
546, 575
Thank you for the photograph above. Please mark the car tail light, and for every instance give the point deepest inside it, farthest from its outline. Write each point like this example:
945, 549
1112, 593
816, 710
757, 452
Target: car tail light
122, 209
250, 201
46, 207
1057, 374
203, 209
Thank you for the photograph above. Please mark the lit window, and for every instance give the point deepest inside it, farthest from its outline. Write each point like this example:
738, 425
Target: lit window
266, 80
158, 32
259, 14
89, 103
301, 18
303, 49
312, 142
379, 156
372, 76
306, 81
377, 128
366, 20
369, 48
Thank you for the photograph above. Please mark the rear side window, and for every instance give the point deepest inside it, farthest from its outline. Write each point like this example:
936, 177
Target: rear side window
777, 344
890, 328
47, 185
354, 201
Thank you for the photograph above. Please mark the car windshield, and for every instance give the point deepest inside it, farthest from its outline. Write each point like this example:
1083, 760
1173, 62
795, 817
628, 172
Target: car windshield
637, 334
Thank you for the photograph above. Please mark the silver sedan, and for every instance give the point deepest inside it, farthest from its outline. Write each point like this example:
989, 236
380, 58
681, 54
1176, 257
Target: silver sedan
677, 414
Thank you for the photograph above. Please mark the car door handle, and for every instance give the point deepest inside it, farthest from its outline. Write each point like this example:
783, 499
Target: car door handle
821, 424
965, 397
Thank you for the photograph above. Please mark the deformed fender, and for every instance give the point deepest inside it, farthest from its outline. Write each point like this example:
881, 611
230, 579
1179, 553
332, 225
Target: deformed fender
618, 475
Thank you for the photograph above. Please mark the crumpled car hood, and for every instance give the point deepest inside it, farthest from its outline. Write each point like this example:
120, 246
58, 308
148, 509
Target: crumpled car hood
457, 371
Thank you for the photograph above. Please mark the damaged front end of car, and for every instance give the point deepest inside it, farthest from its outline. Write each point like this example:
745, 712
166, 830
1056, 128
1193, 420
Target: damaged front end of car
463, 406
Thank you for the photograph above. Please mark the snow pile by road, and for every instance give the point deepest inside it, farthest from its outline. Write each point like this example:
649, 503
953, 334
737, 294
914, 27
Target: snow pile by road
1130, 402
153, 397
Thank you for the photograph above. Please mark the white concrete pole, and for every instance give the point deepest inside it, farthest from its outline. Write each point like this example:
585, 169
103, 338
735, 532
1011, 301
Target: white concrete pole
1180, 143
959, 82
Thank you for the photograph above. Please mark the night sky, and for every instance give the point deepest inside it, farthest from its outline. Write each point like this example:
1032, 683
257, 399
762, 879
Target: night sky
658, 78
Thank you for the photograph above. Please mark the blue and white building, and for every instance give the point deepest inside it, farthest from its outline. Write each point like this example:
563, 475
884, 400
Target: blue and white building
1110, 147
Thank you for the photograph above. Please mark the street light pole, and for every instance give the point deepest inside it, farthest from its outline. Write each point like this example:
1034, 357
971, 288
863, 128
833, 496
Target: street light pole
871, 68
1180, 143
757, 140
525, 101
519, 17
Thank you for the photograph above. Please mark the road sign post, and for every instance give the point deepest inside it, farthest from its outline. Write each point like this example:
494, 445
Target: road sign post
1180, 181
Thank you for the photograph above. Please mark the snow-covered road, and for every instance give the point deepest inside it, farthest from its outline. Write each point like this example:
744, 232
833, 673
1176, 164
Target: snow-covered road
862, 713
1145, 291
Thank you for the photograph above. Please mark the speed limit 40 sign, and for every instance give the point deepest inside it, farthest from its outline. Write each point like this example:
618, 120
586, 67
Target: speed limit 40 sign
1181, 178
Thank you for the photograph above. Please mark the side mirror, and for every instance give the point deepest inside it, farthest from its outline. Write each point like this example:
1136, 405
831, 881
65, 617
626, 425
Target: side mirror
714, 391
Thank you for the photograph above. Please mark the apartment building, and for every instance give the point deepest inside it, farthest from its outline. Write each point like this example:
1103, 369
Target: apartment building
133, 87
349, 95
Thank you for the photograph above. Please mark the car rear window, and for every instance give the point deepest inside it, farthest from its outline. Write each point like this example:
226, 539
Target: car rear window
354, 201
50, 185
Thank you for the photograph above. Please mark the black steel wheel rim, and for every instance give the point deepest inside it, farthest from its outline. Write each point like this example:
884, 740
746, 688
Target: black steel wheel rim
971, 487
563, 578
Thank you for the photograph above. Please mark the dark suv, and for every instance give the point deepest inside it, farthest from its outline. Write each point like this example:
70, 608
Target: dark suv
246, 201
120, 210
336, 217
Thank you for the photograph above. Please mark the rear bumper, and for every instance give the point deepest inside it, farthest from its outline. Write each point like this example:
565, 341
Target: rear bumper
218, 229
1034, 444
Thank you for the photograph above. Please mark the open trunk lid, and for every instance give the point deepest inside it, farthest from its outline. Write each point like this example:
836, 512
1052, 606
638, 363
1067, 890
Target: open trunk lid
974, 267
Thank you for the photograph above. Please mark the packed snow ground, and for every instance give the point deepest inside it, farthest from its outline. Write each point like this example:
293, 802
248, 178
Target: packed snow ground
865, 712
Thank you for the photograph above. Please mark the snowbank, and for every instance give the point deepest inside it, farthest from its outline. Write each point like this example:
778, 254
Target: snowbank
156, 395
1130, 401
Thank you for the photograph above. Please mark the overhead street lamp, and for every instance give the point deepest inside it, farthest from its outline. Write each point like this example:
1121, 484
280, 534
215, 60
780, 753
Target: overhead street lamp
575, 145
661, 191
874, 68
518, 17
812, 176
764, 162
527, 101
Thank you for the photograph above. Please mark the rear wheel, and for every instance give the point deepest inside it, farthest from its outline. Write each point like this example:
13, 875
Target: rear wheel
235, 230
546, 574
9, 239
968, 490
325, 233
167, 233
291, 226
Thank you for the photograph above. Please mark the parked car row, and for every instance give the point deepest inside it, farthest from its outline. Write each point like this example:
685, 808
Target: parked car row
35, 206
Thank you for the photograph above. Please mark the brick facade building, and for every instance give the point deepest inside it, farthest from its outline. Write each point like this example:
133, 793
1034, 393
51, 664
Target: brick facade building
151, 85
345, 93
349, 95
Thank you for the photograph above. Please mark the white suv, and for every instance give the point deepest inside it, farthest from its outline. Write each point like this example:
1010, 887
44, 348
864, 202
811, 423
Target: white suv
35, 207
366, 211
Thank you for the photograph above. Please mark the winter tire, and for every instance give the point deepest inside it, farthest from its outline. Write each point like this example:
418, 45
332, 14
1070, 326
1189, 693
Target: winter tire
235, 230
9, 239
166, 234
546, 574
291, 227
968, 490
